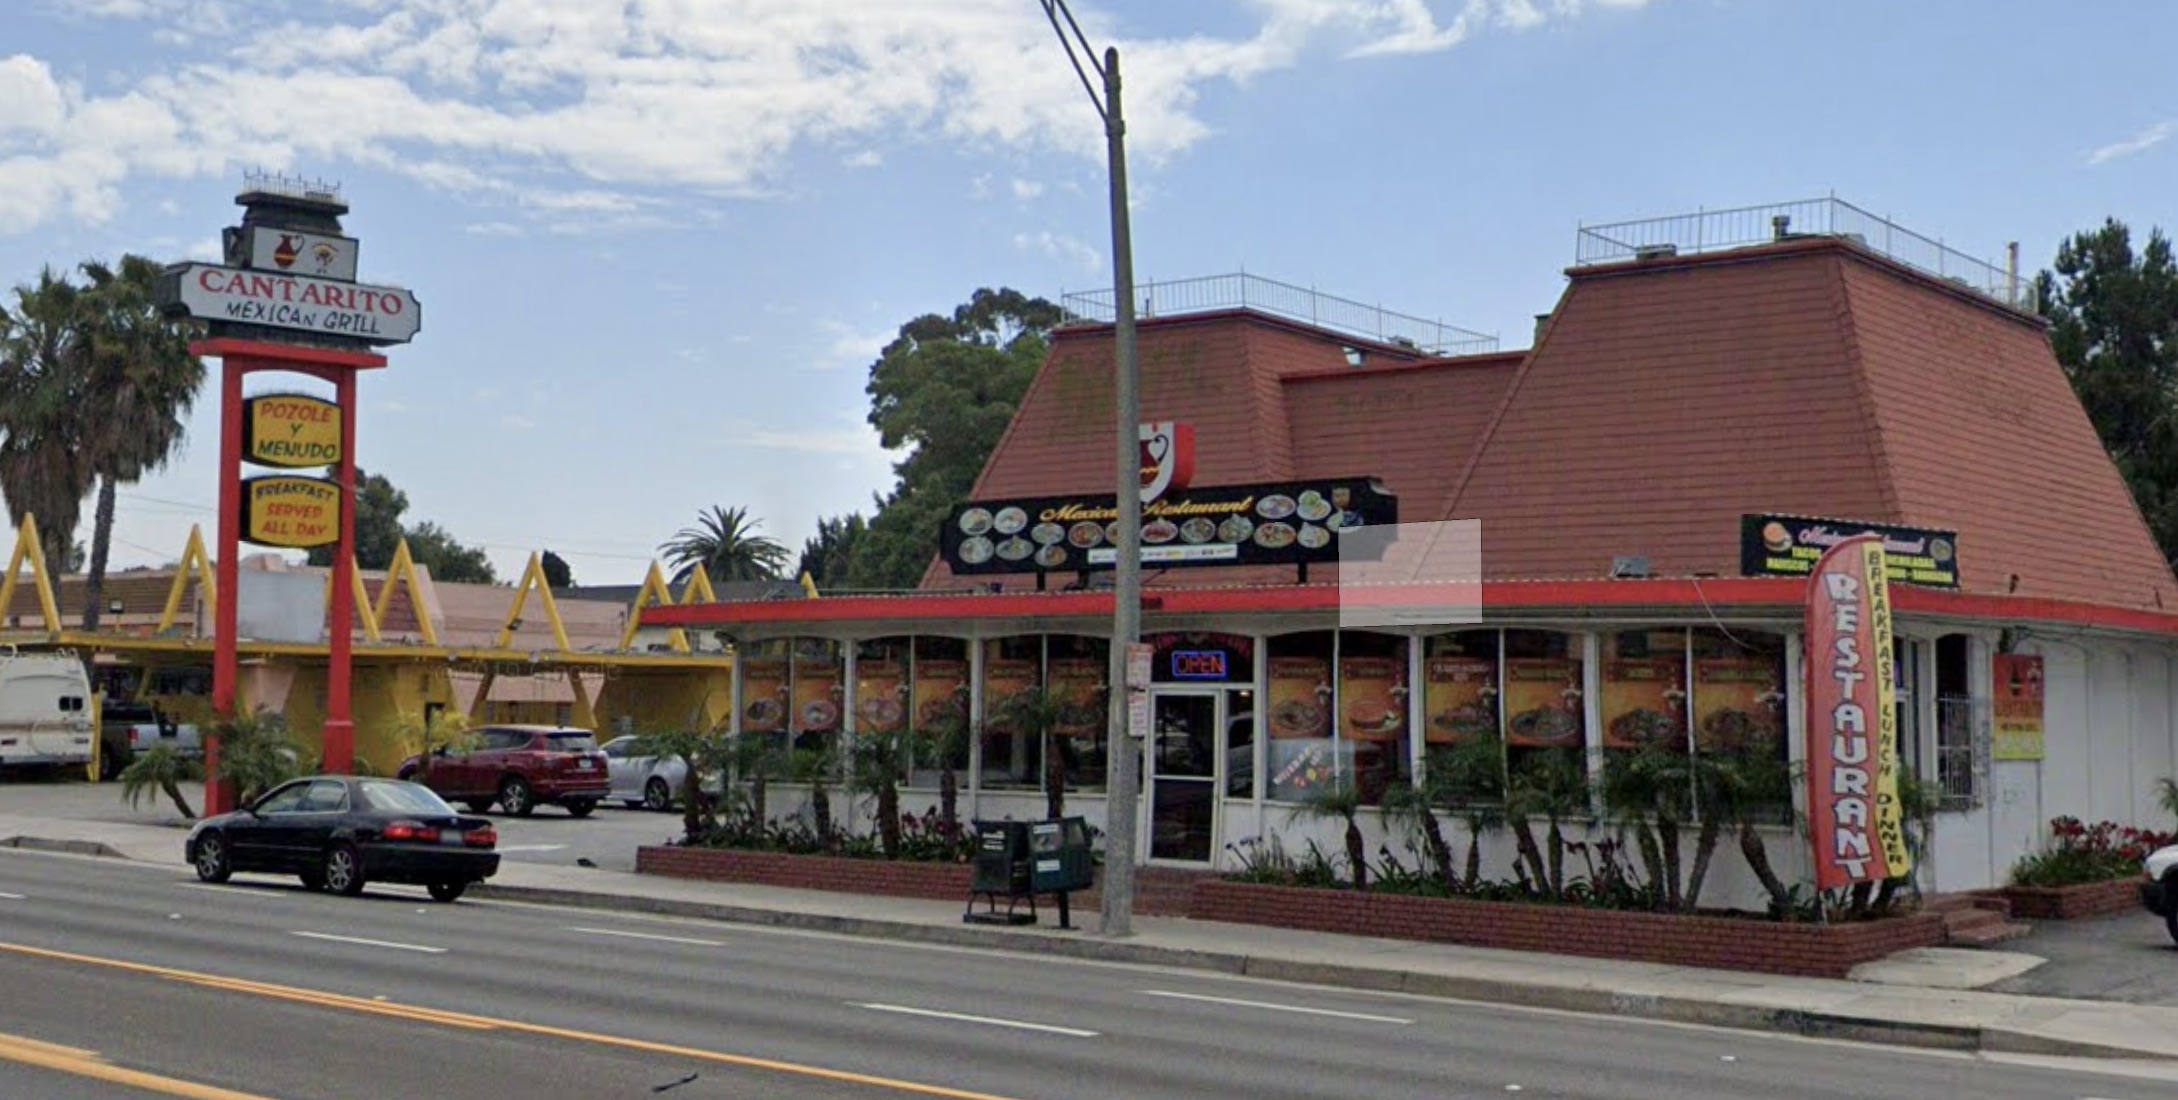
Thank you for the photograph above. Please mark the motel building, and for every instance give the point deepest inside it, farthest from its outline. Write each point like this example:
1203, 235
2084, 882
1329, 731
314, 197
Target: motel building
1713, 401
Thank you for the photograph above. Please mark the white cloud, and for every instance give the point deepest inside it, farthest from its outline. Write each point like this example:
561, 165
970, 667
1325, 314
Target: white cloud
496, 229
515, 422
1027, 189
2138, 143
1059, 246
577, 108
849, 348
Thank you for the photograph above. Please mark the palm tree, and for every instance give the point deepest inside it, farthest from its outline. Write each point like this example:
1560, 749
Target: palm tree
164, 769
725, 545
1340, 800
143, 382
45, 470
1038, 712
255, 753
1552, 785
877, 765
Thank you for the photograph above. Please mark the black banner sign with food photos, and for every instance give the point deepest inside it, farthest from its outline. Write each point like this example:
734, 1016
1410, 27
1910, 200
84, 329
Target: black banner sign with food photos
1789, 546
1279, 523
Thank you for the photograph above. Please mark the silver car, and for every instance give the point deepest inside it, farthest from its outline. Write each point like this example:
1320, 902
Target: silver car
642, 778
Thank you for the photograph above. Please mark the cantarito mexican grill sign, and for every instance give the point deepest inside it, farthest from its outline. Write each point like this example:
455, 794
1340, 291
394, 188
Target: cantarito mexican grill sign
275, 299
1852, 720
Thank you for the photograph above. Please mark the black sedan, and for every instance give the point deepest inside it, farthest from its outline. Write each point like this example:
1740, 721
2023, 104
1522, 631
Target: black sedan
338, 832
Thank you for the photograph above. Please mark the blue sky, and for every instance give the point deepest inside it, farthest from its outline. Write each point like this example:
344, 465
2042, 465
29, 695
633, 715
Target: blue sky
658, 242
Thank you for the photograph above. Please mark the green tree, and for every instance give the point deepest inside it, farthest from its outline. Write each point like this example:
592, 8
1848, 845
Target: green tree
378, 509
557, 573
255, 753
725, 544
2113, 316
1340, 800
877, 766
828, 556
143, 383
45, 468
1550, 784
433, 547
945, 389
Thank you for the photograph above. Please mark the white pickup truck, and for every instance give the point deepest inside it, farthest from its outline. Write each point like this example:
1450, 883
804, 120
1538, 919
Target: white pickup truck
130, 728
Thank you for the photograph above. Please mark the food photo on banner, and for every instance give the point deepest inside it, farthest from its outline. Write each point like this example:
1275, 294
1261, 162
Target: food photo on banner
1739, 700
1543, 701
1789, 546
818, 692
1460, 692
764, 693
1644, 700
1302, 761
1854, 816
880, 691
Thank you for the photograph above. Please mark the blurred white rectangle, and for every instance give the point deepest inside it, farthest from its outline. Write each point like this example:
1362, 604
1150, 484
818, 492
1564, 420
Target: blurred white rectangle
280, 607
1410, 574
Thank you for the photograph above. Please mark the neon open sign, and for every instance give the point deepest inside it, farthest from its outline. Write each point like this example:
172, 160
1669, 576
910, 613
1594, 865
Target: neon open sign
1198, 664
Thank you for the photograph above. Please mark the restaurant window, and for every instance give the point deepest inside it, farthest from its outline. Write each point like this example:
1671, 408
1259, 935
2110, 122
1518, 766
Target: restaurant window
1012, 682
1644, 690
1078, 668
819, 693
1961, 758
938, 715
1326, 729
1463, 721
1739, 693
1545, 717
766, 690
883, 675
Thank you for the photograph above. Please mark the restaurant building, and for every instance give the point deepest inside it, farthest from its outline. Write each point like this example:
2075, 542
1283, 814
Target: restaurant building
1712, 401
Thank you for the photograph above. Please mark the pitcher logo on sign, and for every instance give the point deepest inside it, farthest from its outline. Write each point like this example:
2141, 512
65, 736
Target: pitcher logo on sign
290, 247
1168, 458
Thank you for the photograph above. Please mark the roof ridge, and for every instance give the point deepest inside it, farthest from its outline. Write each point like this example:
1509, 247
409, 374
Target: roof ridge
1863, 389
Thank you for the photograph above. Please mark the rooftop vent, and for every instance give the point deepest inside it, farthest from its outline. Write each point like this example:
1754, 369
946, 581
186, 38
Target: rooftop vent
1656, 252
1629, 566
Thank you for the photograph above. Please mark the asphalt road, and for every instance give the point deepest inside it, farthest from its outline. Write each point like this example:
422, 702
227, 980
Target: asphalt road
2124, 957
261, 988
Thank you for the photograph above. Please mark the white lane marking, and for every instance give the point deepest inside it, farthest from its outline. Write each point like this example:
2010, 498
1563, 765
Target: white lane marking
647, 936
1021, 1024
1270, 1007
14, 897
371, 943
234, 892
529, 847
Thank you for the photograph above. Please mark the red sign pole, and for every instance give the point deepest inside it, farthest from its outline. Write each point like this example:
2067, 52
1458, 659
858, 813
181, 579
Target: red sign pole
240, 357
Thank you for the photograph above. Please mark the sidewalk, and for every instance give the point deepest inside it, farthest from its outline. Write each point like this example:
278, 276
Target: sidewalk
1919, 999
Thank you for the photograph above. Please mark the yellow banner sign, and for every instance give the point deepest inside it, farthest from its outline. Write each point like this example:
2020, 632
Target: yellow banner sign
297, 512
290, 431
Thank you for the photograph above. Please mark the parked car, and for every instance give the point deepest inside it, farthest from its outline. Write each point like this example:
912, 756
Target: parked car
126, 729
641, 777
2159, 887
338, 832
518, 767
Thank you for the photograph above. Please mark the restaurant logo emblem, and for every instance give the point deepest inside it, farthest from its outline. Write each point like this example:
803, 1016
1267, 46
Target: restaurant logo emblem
289, 248
1168, 458
1852, 719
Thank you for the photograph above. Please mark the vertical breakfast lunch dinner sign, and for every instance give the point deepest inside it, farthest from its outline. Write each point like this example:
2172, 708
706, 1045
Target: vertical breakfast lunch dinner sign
1852, 720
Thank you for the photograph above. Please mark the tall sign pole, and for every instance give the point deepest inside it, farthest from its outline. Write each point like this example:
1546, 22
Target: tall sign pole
1123, 797
287, 299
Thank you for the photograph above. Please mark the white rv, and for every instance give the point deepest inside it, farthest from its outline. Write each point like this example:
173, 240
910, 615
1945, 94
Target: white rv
45, 710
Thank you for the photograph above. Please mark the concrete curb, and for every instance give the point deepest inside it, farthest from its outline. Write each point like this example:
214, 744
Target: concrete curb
71, 847
1589, 1001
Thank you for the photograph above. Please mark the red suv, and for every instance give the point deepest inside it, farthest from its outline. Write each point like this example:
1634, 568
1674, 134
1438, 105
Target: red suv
518, 767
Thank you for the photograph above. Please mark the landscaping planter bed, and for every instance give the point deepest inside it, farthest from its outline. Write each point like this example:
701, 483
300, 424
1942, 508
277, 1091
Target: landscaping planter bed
1720, 942
1158, 892
2092, 899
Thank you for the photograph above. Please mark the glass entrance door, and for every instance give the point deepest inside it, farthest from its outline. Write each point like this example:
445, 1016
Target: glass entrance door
1183, 775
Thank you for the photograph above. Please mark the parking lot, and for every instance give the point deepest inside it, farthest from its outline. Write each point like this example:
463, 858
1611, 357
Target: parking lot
607, 838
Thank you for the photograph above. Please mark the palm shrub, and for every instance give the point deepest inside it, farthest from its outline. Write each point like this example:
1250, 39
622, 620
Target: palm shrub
1552, 785
939, 744
1649, 792
1037, 712
876, 766
164, 769
255, 753
1744, 793
1470, 775
428, 737
701, 753
2166, 796
817, 765
1340, 800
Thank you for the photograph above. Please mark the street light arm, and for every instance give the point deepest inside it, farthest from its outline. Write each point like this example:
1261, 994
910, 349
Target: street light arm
1053, 9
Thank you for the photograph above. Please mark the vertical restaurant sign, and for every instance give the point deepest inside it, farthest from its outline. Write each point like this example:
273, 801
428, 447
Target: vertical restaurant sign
296, 512
2018, 707
1852, 720
290, 430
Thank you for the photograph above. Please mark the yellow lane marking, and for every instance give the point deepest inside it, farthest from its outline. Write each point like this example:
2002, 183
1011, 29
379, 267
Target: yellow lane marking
84, 1063
458, 1019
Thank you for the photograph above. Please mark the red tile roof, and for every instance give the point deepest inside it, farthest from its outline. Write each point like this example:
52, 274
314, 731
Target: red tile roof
1667, 398
1270, 400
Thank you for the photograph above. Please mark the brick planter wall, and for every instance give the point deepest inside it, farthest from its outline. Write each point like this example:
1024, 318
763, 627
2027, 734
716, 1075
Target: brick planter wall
1720, 942
2093, 899
1159, 892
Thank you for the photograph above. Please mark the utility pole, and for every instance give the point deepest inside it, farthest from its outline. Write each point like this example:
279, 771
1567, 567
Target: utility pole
1123, 784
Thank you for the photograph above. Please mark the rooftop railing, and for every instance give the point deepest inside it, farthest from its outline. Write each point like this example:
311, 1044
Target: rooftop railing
1253, 292
1718, 230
